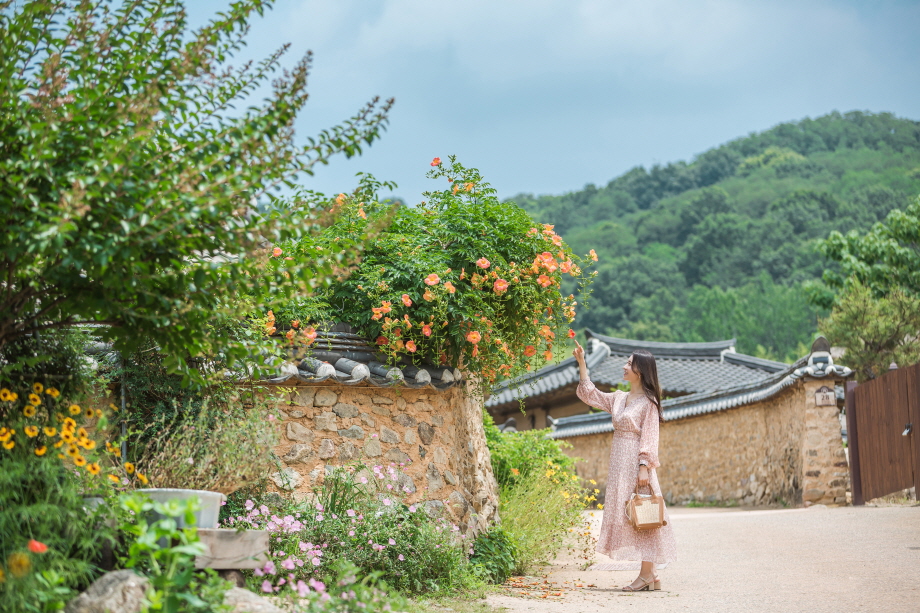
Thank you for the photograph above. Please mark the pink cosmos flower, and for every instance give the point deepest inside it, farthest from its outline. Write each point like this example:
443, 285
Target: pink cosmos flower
350, 512
392, 542
316, 561
267, 586
412, 508
387, 502
302, 589
400, 558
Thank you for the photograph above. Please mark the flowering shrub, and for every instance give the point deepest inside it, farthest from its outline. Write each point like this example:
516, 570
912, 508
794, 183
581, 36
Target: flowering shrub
410, 550
38, 425
462, 278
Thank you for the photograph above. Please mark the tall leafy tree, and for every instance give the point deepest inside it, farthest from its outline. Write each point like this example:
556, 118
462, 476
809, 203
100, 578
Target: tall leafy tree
128, 178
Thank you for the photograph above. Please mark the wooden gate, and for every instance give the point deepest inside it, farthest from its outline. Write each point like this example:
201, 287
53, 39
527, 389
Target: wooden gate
883, 434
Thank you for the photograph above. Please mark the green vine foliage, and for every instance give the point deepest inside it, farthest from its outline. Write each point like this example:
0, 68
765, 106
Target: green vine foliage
460, 279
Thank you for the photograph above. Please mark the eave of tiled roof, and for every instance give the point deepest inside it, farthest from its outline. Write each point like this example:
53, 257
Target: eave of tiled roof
625, 346
545, 380
686, 368
706, 402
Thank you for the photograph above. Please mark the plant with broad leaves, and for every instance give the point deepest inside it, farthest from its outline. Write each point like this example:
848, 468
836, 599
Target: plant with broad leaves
128, 181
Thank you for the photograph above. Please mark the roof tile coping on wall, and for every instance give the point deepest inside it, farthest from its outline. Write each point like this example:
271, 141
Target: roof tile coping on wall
816, 365
338, 355
546, 379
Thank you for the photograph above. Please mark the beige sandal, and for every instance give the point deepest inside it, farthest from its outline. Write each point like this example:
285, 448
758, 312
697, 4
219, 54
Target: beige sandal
647, 585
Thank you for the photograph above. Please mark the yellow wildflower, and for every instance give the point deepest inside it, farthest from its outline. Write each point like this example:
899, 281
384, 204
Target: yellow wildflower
50, 431
40, 451
74, 409
597, 491
31, 431
53, 392
113, 478
82, 433
87, 443
13, 397
600, 507
89, 413
18, 564
58, 444
35, 399
73, 451
28, 410
4, 394
79, 460
93, 468
142, 478
113, 407
592, 482
38, 388
129, 467
98, 412
9, 444
69, 423
68, 436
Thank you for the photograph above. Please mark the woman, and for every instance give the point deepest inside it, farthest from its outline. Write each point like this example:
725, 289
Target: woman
633, 459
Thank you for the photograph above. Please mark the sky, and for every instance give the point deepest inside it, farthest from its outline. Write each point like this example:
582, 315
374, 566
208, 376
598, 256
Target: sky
546, 96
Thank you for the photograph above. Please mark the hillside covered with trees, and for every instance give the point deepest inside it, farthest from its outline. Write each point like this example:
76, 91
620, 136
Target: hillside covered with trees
725, 246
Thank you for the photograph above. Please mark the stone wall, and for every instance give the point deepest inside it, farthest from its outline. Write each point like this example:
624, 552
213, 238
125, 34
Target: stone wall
782, 450
434, 439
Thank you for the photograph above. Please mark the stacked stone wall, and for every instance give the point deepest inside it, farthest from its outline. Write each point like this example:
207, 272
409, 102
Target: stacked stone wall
783, 450
435, 440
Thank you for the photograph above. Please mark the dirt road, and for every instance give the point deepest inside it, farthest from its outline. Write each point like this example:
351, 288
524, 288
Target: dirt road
813, 560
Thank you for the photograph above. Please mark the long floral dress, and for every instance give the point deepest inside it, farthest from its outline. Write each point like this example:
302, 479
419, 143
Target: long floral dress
635, 439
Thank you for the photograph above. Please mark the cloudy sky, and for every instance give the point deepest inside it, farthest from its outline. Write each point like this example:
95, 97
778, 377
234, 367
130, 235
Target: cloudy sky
544, 96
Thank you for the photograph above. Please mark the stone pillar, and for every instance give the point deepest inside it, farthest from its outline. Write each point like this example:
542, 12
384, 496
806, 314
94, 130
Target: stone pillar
479, 485
825, 476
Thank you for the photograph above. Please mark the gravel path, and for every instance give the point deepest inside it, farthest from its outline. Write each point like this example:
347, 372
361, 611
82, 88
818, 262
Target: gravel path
812, 560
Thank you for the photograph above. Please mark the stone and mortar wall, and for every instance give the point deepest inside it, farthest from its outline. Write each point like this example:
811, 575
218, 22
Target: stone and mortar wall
780, 450
827, 475
435, 440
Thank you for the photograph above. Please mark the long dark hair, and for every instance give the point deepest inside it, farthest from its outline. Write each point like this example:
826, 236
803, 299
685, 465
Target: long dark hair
643, 362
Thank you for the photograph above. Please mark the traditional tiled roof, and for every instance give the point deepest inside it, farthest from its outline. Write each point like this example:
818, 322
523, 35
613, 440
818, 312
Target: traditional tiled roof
341, 356
818, 365
545, 380
686, 368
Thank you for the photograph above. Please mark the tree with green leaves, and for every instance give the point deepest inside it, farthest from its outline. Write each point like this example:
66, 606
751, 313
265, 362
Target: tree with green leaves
876, 314
129, 182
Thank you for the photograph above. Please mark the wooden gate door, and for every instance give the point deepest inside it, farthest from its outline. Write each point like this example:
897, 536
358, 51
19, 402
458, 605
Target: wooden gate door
883, 420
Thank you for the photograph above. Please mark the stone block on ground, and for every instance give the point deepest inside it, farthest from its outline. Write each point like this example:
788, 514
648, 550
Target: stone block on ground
243, 601
121, 590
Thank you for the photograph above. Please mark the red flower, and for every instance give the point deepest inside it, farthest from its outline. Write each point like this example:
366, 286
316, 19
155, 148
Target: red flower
544, 280
406, 300
500, 286
382, 340
432, 279
436, 162
276, 251
37, 547
548, 355
571, 333
426, 330
483, 263
474, 337
410, 345
530, 350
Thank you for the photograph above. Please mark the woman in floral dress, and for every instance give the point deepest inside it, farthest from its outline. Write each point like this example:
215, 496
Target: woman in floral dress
633, 459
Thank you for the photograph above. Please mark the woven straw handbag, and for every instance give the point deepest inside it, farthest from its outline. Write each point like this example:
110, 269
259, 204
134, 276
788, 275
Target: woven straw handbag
645, 511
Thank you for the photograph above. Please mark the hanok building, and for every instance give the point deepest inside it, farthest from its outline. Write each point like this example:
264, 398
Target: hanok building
737, 427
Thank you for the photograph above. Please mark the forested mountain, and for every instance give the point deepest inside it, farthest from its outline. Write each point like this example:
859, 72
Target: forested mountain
722, 246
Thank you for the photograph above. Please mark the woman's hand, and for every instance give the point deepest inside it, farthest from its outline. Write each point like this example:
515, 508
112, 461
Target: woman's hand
643, 476
579, 353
